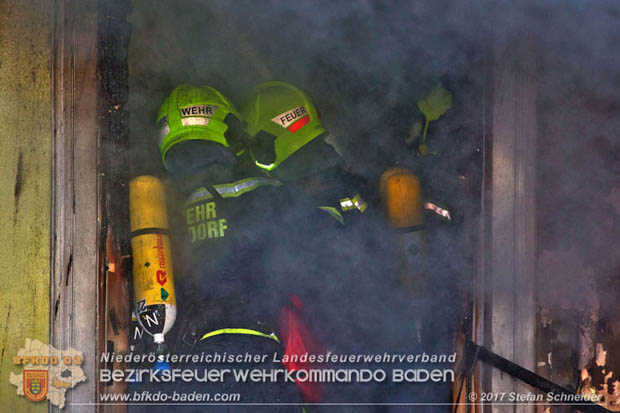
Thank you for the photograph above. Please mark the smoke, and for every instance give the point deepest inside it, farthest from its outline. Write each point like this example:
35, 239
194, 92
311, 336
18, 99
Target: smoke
366, 64
578, 150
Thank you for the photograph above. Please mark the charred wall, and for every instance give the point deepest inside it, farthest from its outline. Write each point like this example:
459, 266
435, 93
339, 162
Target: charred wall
114, 33
578, 209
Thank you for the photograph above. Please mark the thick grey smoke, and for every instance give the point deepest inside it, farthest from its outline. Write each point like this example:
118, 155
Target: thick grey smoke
366, 64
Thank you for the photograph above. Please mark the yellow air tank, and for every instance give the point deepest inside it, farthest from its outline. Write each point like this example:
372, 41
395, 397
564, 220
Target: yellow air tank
401, 196
153, 280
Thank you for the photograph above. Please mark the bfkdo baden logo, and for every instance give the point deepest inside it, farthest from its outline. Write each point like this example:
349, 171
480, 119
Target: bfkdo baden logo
48, 373
35, 384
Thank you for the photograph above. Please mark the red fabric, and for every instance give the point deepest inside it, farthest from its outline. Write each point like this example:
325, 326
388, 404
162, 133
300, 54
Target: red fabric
298, 340
299, 124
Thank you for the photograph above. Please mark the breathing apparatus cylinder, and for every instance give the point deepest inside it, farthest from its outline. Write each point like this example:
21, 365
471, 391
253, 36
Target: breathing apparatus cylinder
401, 195
153, 277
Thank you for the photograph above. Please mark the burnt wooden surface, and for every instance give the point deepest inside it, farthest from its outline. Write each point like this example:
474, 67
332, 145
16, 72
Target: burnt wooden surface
578, 260
75, 207
507, 292
113, 40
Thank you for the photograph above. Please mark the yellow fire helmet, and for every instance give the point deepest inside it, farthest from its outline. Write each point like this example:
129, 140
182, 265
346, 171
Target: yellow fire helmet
281, 119
198, 126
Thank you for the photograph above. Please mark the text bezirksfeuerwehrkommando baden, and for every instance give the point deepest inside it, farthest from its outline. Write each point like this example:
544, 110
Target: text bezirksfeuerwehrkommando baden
313, 375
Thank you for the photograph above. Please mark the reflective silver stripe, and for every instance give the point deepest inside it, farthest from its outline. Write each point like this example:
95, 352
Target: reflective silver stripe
164, 128
438, 210
234, 189
197, 194
346, 204
196, 120
163, 132
359, 203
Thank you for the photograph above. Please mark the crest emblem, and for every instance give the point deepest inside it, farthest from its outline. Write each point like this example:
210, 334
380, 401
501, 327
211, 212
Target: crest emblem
35, 384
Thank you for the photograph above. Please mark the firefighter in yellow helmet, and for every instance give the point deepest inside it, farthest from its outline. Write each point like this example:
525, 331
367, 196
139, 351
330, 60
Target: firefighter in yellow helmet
346, 252
337, 230
287, 140
228, 216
